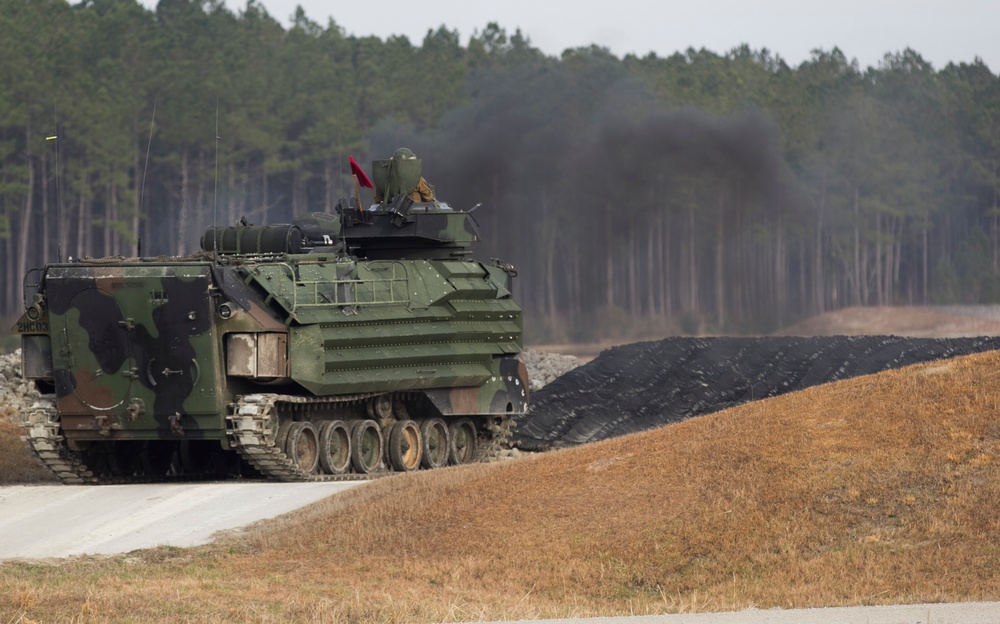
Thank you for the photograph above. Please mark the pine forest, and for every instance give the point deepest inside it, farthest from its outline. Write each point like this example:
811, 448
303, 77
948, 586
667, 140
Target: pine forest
708, 191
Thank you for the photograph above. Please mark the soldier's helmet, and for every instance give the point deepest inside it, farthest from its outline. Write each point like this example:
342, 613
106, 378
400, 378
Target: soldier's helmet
404, 153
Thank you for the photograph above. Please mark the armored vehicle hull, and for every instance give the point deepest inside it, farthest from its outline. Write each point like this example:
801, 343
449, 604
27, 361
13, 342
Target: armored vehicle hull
337, 347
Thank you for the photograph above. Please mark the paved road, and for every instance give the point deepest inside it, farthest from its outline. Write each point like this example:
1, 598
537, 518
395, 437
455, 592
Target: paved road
953, 613
43, 521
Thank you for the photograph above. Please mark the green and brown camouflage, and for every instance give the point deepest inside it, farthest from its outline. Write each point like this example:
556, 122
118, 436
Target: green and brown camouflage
331, 310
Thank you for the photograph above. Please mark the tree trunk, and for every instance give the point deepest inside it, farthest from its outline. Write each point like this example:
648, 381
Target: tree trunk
180, 245
996, 224
199, 205
879, 290
633, 277
804, 292
780, 270
135, 219
235, 192
651, 271
609, 267
693, 306
82, 219
12, 297
897, 261
819, 278
550, 260
574, 282
328, 188
24, 233
109, 217
46, 209
666, 305
857, 249
265, 192
720, 287
62, 217
924, 261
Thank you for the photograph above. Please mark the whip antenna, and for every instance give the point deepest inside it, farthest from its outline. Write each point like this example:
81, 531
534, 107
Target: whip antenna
215, 206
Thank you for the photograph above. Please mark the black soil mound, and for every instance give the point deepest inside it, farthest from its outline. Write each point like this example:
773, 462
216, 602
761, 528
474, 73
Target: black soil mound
648, 384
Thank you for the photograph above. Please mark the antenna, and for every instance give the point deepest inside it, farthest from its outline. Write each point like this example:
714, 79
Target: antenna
340, 153
145, 168
215, 202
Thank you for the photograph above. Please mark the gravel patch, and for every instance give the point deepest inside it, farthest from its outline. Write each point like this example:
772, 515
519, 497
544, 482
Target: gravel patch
16, 394
544, 367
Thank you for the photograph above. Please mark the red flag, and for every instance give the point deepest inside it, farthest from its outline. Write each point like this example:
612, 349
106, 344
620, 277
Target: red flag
358, 171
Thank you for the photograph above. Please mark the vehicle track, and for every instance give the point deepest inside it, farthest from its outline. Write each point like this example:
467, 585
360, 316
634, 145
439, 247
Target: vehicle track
252, 430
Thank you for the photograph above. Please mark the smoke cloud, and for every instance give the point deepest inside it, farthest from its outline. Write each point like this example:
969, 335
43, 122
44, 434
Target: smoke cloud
590, 136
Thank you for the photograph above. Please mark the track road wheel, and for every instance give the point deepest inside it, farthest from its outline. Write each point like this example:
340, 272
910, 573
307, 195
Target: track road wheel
404, 446
281, 436
380, 407
434, 434
462, 446
334, 447
366, 446
302, 446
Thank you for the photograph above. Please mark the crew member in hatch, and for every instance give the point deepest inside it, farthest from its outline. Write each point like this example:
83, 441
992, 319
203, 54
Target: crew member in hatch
403, 166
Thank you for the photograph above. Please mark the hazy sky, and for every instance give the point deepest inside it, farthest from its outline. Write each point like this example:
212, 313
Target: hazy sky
958, 30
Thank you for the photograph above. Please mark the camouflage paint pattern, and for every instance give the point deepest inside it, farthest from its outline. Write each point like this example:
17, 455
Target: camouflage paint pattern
505, 392
138, 349
132, 350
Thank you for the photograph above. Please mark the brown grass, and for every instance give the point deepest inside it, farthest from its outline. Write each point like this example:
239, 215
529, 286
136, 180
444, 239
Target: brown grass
875, 490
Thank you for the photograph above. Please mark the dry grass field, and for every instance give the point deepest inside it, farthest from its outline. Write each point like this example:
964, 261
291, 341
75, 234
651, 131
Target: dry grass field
874, 490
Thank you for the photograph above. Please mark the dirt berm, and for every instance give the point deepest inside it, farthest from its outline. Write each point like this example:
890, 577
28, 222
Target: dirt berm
648, 384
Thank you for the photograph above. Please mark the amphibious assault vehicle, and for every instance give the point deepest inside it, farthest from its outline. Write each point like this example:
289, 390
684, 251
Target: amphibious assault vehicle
339, 346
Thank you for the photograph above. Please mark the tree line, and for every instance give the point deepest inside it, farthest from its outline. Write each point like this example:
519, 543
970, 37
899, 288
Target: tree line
704, 191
